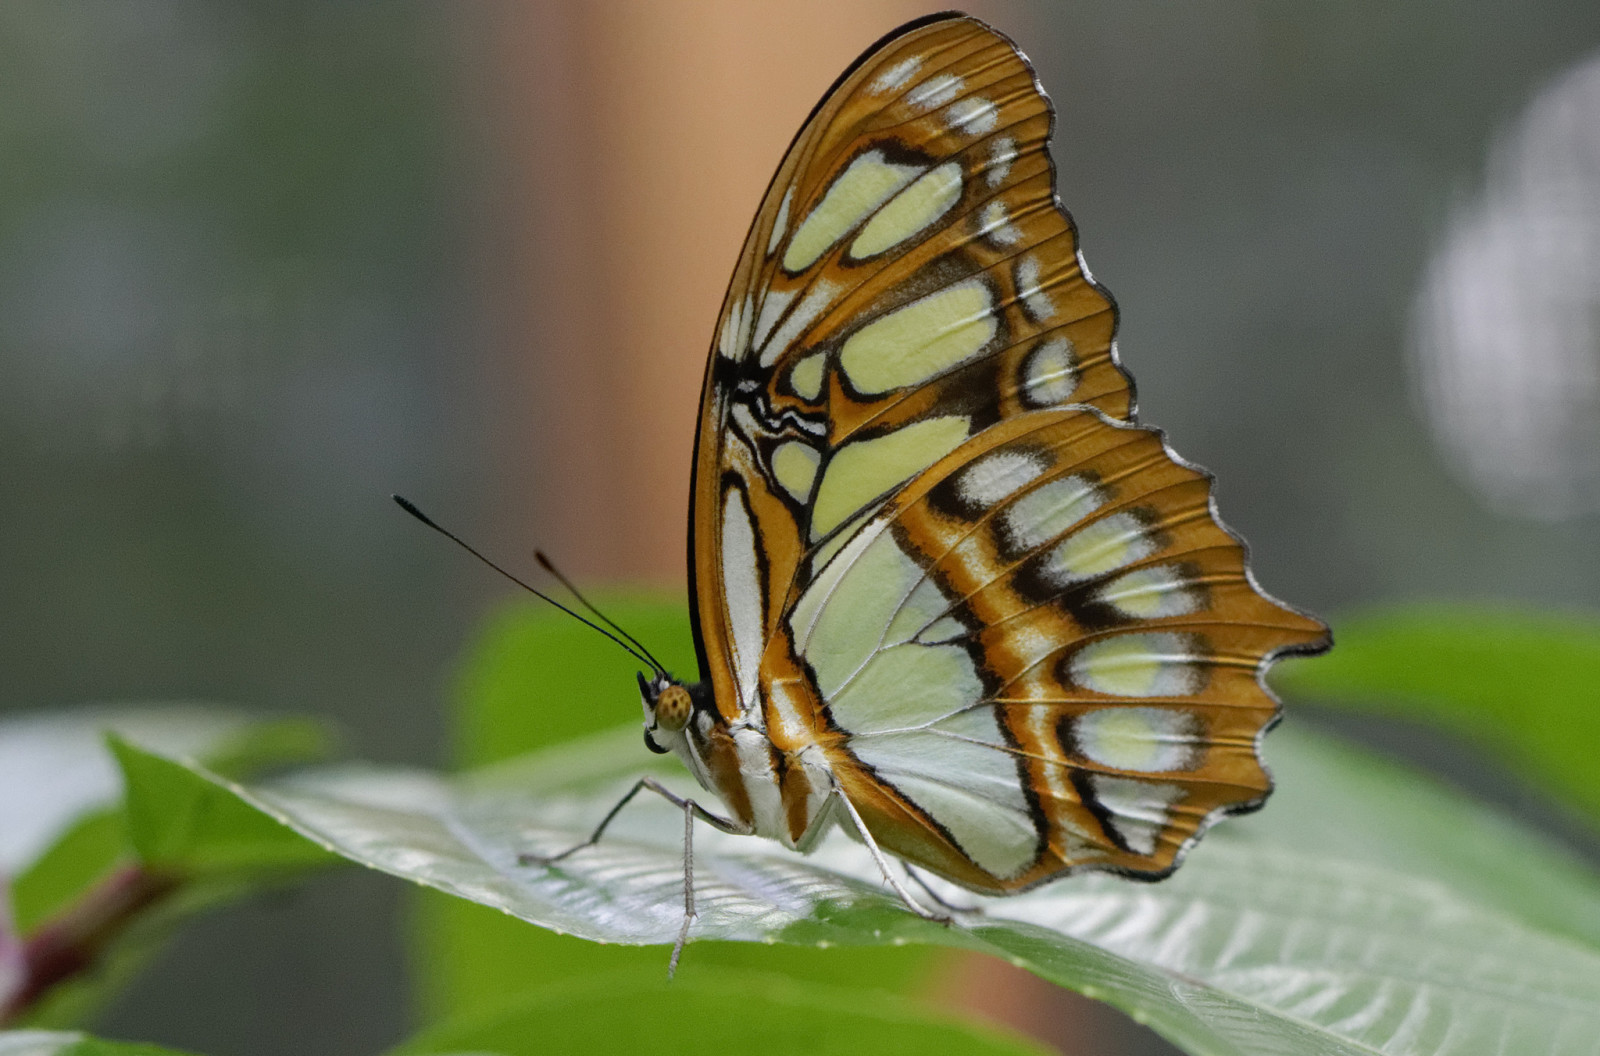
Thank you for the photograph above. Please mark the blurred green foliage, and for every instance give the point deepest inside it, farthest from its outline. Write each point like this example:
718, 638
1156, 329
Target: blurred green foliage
712, 1011
1523, 684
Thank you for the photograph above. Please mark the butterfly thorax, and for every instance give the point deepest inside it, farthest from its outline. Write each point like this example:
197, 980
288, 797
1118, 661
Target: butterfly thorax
764, 763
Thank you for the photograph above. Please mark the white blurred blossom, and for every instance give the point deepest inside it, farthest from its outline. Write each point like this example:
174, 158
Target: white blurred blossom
1506, 327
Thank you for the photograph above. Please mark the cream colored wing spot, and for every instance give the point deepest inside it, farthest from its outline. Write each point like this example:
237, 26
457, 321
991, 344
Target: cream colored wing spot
911, 211
989, 479
862, 470
1137, 810
795, 466
923, 606
773, 305
1050, 373
935, 91
810, 308
897, 76
865, 184
741, 579
734, 342
905, 687
1050, 509
1147, 740
841, 618
972, 115
780, 225
1148, 664
1152, 593
1098, 548
925, 338
1002, 153
1035, 301
805, 377
995, 226
971, 789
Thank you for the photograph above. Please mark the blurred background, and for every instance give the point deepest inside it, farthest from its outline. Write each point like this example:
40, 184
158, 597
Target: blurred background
263, 264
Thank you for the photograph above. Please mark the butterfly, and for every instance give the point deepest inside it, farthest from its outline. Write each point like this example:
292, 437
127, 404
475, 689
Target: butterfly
946, 593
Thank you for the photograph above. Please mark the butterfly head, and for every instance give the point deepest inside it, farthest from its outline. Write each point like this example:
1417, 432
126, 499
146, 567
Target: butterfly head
668, 708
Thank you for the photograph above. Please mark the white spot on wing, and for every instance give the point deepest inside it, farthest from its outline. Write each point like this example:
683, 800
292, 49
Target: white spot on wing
935, 91
1148, 740
734, 341
1049, 374
995, 225
972, 115
1149, 664
1098, 548
773, 306
1002, 152
897, 76
810, 308
742, 588
1152, 593
1139, 809
1048, 510
1037, 302
994, 476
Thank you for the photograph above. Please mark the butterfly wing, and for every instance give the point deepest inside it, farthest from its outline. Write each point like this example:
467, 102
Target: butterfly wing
909, 280
1045, 653
926, 538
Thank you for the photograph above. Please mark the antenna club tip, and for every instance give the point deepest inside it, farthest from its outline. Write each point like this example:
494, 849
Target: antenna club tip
411, 508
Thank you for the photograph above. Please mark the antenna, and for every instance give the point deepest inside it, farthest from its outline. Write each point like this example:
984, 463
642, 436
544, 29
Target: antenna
546, 564
638, 652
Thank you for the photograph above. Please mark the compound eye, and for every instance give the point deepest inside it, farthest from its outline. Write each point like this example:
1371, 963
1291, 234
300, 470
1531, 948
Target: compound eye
673, 709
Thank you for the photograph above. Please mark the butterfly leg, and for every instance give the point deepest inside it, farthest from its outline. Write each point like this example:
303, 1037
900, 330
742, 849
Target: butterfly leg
883, 865
719, 823
931, 893
691, 810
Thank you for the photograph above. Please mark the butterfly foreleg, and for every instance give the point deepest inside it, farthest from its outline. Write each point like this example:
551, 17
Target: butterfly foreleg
715, 821
883, 864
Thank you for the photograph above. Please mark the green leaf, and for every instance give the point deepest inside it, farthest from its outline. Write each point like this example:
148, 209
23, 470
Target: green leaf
71, 1043
715, 1011
62, 826
1522, 684
535, 679
1322, 931
182, 824
72, 825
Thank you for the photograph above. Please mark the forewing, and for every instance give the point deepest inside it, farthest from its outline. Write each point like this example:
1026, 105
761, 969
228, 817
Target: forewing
910, 280
1046, 653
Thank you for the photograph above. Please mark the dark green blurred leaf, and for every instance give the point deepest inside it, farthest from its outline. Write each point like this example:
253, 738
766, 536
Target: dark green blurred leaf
1525, 685
538, 678
712, 1012
1325, 931
71, 1043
